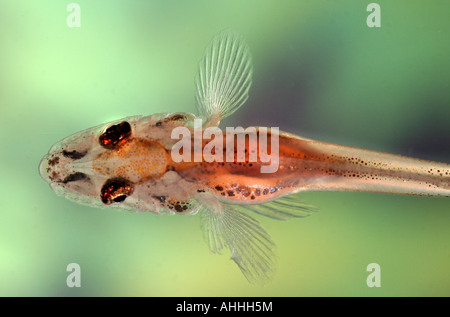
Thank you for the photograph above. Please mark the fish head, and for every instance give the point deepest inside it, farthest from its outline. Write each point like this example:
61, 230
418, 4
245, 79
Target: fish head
117, 164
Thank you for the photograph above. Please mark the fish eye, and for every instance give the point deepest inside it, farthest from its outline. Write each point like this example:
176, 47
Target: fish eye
112, 136
116, 190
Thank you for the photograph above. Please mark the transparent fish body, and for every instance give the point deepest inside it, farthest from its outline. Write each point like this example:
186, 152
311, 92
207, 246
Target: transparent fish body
128, 164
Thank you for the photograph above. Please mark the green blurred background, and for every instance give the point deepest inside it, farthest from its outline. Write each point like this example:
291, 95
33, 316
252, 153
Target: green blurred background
319, 72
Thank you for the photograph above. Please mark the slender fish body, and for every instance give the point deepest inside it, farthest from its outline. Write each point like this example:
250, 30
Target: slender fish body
307, 165
130, 164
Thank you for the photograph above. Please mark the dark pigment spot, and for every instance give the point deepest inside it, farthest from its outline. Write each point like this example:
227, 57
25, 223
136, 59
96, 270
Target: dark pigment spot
75, 177
74, 155
177, 117
161, 198
53, 161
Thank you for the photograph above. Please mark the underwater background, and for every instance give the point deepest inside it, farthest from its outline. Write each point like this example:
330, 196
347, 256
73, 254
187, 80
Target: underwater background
319, 72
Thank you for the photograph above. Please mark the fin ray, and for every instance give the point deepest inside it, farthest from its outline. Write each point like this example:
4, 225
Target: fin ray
251, 246
283, 208
224, 77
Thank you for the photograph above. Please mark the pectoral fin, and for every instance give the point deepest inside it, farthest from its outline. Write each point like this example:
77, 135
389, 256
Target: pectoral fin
224, 77
251, 246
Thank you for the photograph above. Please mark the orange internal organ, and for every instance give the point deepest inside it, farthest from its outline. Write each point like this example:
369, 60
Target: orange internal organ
135, 160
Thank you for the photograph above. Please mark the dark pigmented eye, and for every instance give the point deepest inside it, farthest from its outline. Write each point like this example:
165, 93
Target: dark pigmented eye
111, 138
116, 190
